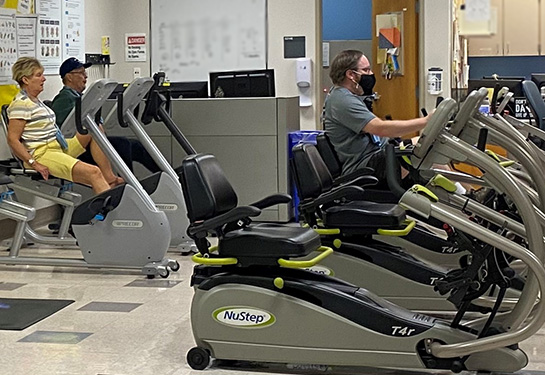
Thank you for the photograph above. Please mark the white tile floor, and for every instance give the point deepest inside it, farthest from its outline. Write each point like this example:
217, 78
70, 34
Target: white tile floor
152, 338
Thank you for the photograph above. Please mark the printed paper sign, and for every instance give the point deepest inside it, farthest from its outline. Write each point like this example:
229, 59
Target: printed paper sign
136, 47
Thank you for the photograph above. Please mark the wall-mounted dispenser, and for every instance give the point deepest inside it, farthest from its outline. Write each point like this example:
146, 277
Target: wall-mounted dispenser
304, 82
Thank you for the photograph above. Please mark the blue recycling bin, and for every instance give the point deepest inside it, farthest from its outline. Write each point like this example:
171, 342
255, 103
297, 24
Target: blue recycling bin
294, 138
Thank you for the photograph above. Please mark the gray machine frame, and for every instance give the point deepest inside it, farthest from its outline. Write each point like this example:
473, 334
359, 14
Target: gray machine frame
168, 196
134, 235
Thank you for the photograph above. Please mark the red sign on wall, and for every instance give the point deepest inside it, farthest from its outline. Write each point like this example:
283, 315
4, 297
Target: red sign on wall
135, 47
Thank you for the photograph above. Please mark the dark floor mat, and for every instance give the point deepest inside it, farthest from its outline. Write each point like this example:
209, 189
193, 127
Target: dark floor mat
19, 313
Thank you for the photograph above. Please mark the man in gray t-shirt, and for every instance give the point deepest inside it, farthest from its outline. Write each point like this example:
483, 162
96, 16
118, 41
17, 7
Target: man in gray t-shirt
357, 135
346, 116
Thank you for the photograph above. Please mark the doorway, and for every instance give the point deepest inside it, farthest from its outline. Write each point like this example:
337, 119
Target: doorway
398, 92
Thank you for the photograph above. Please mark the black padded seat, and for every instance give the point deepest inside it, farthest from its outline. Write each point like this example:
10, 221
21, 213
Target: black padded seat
535, 102
362, 214
4, 180
5, 118
329, 156
313, 179
269, 241
211, 204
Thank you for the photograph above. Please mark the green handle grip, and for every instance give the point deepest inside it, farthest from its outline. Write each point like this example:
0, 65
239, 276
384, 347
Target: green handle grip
200, 259
410, 224
325, 251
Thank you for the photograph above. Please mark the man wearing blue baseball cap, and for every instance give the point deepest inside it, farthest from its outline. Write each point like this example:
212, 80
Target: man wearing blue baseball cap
74, 78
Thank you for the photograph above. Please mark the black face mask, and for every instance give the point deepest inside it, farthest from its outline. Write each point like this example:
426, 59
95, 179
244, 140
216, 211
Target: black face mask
367, 82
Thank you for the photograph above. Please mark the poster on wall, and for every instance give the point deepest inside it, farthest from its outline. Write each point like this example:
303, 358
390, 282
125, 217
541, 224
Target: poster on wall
8, 44
49, 31
73, 29
136, 47
26, 36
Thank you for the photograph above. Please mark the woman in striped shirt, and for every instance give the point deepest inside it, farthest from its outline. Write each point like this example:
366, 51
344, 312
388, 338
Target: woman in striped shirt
34, 137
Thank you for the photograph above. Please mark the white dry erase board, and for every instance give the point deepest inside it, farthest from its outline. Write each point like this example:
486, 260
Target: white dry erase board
191, 38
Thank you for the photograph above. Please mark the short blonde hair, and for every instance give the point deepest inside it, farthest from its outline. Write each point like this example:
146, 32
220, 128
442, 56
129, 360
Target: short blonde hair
24, 67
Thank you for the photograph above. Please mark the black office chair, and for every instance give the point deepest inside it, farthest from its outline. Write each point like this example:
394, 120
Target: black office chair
535, 102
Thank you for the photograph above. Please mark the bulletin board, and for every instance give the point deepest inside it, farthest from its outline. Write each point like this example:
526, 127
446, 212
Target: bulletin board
191, 38
389, 31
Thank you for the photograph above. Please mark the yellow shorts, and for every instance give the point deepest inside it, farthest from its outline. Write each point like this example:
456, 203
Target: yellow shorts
59, 162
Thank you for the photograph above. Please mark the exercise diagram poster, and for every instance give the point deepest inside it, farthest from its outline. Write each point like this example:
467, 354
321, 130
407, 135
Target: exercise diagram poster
8, 44
50, 35
73, 30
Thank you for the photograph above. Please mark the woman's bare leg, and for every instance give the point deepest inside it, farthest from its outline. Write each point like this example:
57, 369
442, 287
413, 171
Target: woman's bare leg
91, 175
100, 158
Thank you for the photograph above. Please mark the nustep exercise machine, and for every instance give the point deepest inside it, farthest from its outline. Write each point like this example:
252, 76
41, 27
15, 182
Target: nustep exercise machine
253, 303
347, 225
427, 241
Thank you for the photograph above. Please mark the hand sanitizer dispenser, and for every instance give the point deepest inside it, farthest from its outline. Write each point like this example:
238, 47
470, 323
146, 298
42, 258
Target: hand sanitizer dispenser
435, 81
303, 79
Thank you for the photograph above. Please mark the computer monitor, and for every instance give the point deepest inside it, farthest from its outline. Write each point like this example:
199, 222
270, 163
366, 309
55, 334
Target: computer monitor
513, 83
515, 107
176, 90
245, 83
181, 90
538, 79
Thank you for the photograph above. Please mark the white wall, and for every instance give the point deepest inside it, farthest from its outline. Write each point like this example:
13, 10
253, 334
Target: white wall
285, 18
296, 18
114, 19
130, 16
435, 46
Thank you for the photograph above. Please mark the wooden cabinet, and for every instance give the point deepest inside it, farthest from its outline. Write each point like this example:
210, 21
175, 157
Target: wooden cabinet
521, 27
489, 45
518, 30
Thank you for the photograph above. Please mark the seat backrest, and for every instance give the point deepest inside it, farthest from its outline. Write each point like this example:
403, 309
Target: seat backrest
5, 122
207, 192
5, 119
311, 175
535, 101
329, 155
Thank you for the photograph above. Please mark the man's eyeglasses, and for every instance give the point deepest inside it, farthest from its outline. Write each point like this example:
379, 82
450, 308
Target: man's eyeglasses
364, 71
82, 72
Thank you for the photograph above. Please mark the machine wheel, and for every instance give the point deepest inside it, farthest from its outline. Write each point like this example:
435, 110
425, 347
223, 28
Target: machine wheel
175, 266
150, 276
164, 273
198, 358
